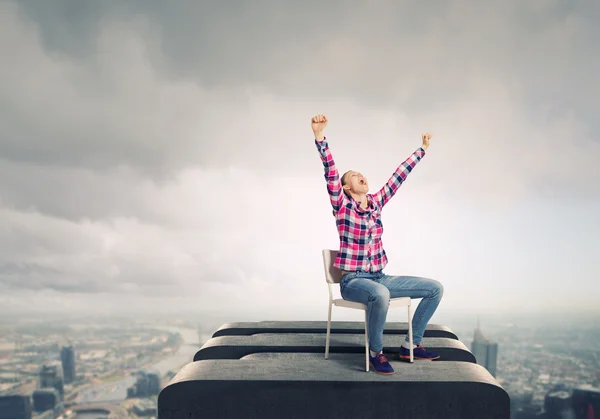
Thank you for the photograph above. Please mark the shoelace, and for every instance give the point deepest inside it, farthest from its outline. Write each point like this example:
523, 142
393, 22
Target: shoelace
382, 358
424, 350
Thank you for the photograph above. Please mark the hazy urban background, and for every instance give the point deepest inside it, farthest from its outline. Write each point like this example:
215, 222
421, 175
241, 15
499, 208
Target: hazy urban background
157, 162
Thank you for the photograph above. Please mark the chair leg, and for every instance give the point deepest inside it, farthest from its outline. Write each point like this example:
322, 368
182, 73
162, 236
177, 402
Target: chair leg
410, 334
366, 343
328, 332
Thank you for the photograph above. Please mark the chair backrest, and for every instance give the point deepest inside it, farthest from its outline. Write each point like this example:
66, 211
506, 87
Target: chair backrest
332, 275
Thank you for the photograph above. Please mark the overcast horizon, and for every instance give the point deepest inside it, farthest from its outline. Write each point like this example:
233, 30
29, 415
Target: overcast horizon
160, 157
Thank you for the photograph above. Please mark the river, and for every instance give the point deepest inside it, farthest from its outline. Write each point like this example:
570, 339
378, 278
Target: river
117, 390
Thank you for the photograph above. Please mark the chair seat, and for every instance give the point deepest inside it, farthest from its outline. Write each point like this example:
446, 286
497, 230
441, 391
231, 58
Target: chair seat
394, 302
400, 302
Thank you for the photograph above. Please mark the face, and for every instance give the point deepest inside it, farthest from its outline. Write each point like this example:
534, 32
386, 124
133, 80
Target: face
356, 183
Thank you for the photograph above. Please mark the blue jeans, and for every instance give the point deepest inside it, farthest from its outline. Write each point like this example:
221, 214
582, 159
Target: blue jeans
376, 289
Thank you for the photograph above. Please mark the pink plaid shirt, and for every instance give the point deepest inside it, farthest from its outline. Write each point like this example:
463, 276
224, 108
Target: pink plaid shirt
360, 230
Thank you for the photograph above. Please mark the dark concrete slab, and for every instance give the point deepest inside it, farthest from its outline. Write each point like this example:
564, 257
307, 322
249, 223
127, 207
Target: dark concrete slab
392, 328
261, 387
236, 347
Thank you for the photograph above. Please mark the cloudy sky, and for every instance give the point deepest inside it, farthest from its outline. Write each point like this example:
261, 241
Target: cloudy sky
157, 156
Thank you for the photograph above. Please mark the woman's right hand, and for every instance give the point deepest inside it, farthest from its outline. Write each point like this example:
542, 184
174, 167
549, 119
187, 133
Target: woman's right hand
318, 123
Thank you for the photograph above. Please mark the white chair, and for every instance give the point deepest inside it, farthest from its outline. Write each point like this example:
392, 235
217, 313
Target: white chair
333, 276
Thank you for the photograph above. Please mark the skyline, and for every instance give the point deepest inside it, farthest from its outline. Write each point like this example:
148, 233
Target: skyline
133, 132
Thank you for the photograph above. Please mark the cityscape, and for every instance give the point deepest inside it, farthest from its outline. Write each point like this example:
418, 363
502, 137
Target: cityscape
115, 367
549, 365
95, 368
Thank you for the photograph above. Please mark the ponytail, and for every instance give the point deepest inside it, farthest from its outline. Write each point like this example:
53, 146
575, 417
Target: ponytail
343, 181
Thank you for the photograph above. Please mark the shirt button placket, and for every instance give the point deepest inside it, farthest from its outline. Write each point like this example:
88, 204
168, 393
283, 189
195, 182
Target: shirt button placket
370, 241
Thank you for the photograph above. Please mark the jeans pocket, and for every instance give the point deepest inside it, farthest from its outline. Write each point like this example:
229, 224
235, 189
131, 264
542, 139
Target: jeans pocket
345, 279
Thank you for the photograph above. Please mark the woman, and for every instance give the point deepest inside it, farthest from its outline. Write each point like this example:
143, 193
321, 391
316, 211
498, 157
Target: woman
361, 256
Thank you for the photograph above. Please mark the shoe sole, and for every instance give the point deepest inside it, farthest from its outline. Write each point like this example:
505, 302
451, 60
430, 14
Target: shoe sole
407, 358
379, 372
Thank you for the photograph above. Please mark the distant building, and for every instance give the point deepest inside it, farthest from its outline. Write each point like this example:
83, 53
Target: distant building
153, 383
557, 404
145, 408
67, 357
15, 407
147, 384
45, 399
485, 351
51, 376
142, 386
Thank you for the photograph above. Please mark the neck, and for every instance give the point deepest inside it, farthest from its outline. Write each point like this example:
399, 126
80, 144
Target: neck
362, 198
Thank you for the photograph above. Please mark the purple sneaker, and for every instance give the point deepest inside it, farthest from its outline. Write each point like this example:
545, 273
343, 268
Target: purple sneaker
380, 364
418, 353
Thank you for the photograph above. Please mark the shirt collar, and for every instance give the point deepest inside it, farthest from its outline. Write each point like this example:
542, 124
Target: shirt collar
370, 205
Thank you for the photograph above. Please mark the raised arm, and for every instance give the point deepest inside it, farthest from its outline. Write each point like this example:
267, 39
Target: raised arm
332, 177
386, 193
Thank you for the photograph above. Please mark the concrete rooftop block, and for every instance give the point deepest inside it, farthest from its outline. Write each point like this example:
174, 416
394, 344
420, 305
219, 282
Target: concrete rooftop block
306, 386
236, 347
392, 328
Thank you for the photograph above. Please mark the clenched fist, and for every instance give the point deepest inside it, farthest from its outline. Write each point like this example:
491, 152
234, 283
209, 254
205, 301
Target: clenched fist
425, 137
318, 123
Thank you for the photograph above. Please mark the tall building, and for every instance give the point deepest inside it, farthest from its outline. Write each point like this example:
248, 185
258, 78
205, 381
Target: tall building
45, 399
67, 357
15, 407
51, 377
485, 351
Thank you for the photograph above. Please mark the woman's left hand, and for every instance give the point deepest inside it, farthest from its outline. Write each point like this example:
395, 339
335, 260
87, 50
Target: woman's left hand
426, 137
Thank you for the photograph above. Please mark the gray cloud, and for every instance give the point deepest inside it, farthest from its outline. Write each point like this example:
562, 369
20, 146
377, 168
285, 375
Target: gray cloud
160, 87
164, 151
158, 240
398, 52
